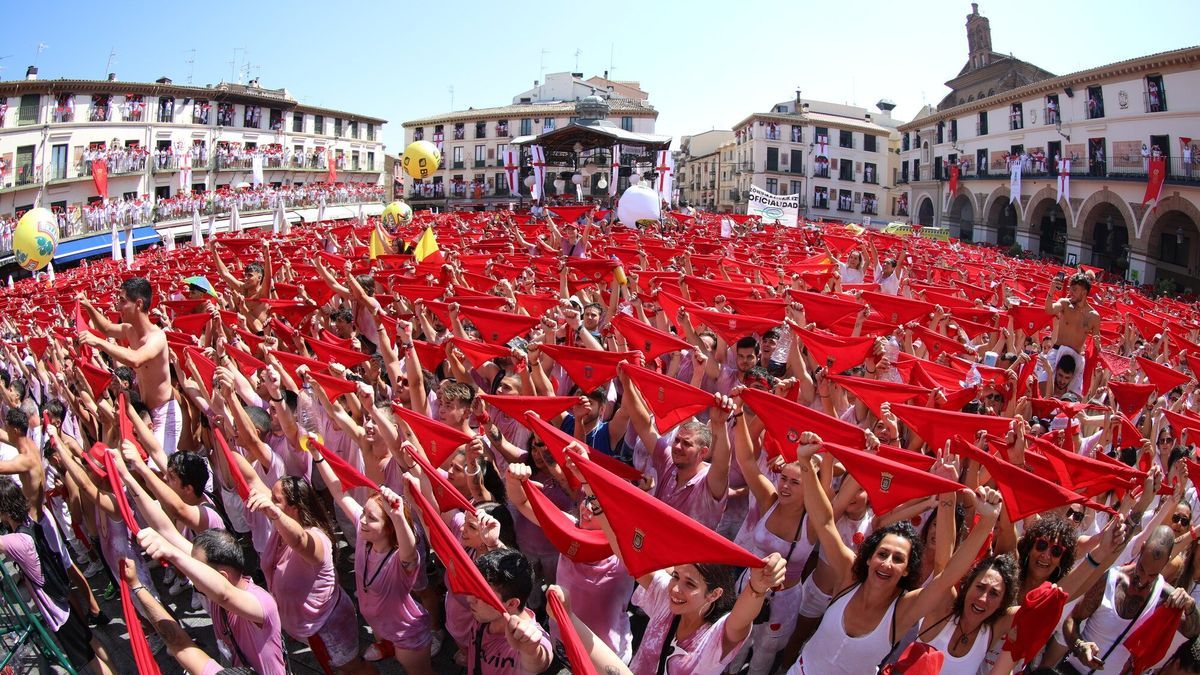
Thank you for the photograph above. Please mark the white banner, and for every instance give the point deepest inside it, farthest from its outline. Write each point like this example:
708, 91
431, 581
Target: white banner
1064, 180
256, 170
512, 171
781, 209
1014, 180
538, 160
614, 171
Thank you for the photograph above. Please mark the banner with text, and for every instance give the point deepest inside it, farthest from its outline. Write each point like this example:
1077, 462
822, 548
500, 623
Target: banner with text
783, 209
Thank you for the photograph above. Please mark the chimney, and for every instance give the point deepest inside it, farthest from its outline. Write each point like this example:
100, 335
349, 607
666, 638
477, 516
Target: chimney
867, 117
606, 74
112, 77
578, 76
31, 73
797, 100
535, 83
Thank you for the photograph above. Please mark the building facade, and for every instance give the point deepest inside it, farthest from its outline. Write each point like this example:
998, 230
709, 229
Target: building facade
1096, 129
697, 167
840, 159
473, 141
160, 138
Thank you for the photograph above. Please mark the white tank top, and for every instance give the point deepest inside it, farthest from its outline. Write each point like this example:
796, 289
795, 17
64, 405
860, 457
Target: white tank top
1105, 626
967, 664
831, 651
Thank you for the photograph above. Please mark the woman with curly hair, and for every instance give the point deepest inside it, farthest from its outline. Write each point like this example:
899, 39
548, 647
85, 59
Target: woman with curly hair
878, 601
963, 626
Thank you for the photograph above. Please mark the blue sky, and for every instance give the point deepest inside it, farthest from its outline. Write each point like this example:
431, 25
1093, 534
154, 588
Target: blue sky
706, 64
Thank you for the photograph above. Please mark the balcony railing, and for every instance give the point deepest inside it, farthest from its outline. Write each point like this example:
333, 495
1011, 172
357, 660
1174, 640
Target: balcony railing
821, 172
28, 175
62, 116
116, 167
99, 114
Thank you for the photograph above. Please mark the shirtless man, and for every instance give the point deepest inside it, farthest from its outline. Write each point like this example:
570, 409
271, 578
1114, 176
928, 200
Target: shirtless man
1076, 320
254, 287
146, 354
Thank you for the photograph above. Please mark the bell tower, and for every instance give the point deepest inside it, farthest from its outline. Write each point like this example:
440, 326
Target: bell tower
979, 38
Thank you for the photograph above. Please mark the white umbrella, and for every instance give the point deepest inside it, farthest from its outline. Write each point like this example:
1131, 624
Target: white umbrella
212, 223
281, 226
197, 237
168, 240
321, 211
235, 219
129, 247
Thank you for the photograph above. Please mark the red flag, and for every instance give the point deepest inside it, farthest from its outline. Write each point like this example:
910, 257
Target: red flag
651, 341
478, 353
545, 407
557, 441
1025, 494
1130, 397
498, 327
125, 426
938, 344
1030, 319
1149, 642
334, 386
462, 576
1154, 183
329, 353
331, 170
652, 535
246, 363
896, 310
1037, 617
448, 497
577, 655
874, 393
143, 656
97, 379
118, 490
588, 368
429, 354
578, 544
191, 324
239, 481
953, 186
1164, 378
293, 310
889, 483
732, 327
206, 370
938, 426
833, 351
1181, 423
292, 362
100, 177
670, 400
785, 420
438, 440
349, 476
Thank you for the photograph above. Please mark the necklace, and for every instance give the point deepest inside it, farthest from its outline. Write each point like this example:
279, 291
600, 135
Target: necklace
965, 638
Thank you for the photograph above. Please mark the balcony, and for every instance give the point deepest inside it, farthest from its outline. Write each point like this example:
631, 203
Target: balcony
62, 116
27, 175
233, 164
820, 203
480, 164
117, 165
99, 114
821, 172
456, 165
166, 116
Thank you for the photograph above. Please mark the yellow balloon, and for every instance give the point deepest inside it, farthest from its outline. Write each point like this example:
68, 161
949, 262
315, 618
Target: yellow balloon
35, 239
421, 159
304, 439
397, 214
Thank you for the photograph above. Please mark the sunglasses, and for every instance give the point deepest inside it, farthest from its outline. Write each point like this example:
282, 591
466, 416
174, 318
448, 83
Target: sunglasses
994, 398
1076, 516
1056, 549
1180, 519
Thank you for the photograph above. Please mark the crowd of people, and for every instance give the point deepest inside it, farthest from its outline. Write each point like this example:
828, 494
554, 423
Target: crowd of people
127, 159
524, 444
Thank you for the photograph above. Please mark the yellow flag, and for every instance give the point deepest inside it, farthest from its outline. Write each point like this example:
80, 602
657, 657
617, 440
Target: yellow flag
380, 243
426, 246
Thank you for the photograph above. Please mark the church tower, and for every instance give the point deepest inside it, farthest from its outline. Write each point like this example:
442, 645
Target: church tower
979, 38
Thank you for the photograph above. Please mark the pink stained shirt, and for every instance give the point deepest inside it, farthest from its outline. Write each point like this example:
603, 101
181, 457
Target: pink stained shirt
499, 657
700, 652
296, 462
261, 529
306, 593
693, 498
383, 584
20, 549
248, 644
599, 594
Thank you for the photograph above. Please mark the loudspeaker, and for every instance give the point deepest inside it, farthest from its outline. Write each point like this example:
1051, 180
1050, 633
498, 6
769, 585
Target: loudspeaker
1070, 92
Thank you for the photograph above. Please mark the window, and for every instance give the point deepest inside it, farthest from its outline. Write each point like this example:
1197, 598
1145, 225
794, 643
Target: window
953, 131
1095, 102
1052, 112
548, 124
870, 143
904, 143
501, 183
166, 109
869, 204
773, 185
354, 129
200, 111
773, 133
870, 174
354, 161
1156, 94
500, 150
481, 130
480, 156
419, 134
797, 133
938, 165
845, 200
981, 162
627, 123
64, 109
820, 198
916, 174
941, 132
845, 169
797, 161
318, 124
370, 131
981, 127
100, 109
224, 114
845, 139
25, 174
772, 159
526, 126
903, 172
297, 123
457, 156
1016, 117
370, 161
58, 162
1173, 248
252, 117
337, 128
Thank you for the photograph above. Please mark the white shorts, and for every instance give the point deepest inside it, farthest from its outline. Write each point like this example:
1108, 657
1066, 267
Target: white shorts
166, 421
813, 601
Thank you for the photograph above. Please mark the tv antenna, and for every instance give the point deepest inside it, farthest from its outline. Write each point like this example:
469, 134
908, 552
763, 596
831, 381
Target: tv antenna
191, 64
542, 64
112, 58
451, 90
578, 52
42, 46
